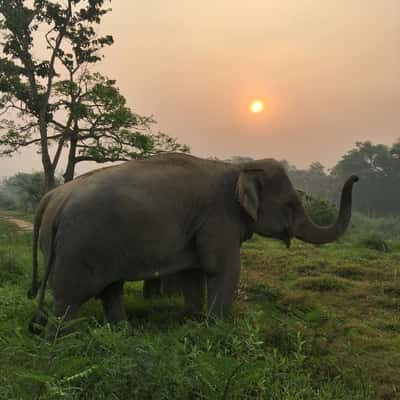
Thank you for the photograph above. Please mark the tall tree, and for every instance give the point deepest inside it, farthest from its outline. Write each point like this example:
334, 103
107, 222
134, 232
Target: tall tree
103, 129
54, 101
27, 81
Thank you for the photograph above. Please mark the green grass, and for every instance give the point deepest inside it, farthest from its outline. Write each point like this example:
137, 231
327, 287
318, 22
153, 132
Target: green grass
309, 323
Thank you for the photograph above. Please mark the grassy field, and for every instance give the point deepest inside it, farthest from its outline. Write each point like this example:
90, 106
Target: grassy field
309, 323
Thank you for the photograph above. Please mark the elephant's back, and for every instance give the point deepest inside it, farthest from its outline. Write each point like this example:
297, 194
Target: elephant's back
171, 175
161, 196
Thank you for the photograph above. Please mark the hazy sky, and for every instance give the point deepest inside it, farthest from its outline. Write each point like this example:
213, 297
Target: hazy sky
328, 72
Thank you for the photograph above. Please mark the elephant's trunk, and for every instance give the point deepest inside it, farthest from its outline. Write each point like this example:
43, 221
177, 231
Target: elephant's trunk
307, 231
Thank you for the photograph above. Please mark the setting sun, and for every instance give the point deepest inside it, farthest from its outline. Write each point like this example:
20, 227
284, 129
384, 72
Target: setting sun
256, 106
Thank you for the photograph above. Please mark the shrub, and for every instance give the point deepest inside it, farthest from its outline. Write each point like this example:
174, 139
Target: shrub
320, 211
22, 191
374, 242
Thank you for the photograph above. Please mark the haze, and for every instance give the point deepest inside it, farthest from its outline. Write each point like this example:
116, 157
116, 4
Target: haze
327, 72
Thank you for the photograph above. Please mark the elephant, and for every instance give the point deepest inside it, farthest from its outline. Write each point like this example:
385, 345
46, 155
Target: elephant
166, 214
45, 213
172, 285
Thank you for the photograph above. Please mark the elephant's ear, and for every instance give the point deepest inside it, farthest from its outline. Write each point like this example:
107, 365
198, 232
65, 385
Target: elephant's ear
248, 191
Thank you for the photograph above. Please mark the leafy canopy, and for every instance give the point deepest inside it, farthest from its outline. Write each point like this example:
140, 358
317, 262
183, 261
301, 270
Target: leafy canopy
51, 97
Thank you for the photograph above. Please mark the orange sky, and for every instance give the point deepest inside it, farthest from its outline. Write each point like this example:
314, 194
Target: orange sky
328, 73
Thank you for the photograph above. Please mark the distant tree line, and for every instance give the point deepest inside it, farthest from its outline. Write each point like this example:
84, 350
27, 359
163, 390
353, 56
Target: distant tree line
376, 195
378, 166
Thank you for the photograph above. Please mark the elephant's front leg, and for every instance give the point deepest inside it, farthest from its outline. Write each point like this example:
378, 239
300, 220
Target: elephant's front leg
222, 283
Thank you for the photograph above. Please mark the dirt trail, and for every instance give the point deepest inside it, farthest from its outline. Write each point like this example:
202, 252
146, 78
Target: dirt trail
22, 225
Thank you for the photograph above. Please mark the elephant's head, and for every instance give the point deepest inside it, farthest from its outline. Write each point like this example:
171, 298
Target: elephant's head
266, 194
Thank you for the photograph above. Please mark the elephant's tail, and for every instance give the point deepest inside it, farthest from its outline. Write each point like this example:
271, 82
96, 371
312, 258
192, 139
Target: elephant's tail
32, 292
39, 320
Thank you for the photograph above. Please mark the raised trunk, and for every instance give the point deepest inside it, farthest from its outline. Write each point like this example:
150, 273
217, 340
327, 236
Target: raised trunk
309, 232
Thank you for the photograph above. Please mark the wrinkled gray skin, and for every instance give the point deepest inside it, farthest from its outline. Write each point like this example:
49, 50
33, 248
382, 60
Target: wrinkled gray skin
166, 214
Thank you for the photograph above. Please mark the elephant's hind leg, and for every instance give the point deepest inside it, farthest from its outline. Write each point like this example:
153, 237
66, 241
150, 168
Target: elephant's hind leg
113, 303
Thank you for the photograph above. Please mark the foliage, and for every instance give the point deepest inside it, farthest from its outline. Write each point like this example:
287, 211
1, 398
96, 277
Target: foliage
375, 242
53, 101
22, 191
376, 194
27, 81
388, 228
104, 128
378, 167
321, 211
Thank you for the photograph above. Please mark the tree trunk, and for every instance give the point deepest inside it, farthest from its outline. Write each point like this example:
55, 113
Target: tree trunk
48, 167
70, 170
49, 180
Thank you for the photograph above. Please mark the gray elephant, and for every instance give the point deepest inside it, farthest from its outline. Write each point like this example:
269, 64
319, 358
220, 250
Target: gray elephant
171, 285
167, 214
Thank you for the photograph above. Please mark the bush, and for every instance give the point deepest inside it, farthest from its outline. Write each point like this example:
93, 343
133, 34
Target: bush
22, 191
7, 202
386, 228
320, 211
374, 242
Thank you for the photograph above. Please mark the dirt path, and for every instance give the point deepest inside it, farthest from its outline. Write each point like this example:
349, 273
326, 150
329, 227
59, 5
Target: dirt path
22, 225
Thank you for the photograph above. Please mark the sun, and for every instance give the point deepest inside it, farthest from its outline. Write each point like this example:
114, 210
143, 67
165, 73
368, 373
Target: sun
256, 106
